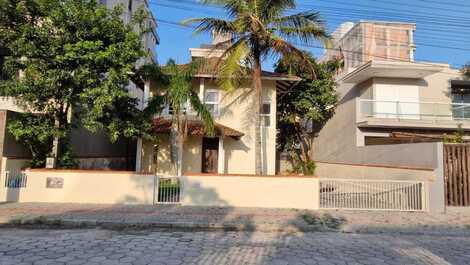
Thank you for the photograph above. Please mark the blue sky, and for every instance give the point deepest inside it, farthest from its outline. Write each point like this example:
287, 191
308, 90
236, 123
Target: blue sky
442, 35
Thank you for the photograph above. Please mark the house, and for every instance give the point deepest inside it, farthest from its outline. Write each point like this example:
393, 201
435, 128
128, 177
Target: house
93, 150
386, 97
231, 151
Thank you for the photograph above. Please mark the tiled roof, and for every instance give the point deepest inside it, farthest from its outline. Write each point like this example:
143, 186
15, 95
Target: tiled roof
195, 127
209, 68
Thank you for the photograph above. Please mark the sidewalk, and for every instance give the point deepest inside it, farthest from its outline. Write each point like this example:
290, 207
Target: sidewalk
455, 221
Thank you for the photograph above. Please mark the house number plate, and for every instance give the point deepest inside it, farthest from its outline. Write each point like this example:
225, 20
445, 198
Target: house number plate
54, 183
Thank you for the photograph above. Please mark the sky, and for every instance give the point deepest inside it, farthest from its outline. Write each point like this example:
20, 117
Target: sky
442, 26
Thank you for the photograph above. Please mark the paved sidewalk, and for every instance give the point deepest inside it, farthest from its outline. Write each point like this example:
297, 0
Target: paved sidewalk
455, 222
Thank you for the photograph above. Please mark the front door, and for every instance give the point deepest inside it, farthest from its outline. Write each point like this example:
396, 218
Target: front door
210, 155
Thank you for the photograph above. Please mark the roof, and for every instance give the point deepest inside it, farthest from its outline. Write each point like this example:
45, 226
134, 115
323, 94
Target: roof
162, 125
209, 70
391, 69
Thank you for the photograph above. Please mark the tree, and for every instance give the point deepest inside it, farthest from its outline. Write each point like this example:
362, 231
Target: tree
75, 59
178, 96
304, 110
258, 29
466, 71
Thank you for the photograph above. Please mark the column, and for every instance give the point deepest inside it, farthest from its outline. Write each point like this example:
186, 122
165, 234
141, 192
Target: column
139, 153
221, 158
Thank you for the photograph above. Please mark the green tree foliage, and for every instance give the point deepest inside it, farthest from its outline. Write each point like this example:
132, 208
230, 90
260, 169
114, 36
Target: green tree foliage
259, 29
456, 138
75, 60
34, 132
178, 95
466, 70
303, 110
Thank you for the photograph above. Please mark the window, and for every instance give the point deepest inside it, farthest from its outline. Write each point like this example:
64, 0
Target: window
266, 114
211, 100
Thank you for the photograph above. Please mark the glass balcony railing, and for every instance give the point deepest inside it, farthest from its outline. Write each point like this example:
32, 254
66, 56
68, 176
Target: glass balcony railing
429, 111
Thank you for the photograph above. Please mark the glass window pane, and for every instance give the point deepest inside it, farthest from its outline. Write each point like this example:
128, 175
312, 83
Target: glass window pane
266, 108
211, 96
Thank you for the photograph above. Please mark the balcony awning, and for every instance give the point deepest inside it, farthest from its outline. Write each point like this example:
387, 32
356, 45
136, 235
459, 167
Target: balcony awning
388, 69
196, 128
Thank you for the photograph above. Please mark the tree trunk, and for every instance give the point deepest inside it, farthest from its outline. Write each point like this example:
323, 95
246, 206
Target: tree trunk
258, 108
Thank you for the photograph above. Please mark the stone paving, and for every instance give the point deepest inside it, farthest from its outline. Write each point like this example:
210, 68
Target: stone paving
455, 221
105, 247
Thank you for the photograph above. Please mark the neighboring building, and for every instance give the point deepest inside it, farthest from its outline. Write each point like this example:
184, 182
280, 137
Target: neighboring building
386, 97
94, 150
232, 150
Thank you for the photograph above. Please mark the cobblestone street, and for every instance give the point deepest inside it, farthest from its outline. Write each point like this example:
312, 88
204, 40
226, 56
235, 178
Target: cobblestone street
97, 246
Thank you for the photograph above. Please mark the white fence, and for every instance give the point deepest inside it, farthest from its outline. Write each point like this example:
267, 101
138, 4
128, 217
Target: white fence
372, 195
15, 179
168, 190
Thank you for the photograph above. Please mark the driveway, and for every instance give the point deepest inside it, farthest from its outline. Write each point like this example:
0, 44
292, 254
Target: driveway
96, 246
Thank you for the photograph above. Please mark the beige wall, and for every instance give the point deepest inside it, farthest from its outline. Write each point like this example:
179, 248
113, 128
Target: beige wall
241, 191
236, 111
9, 165
347, 171
92, 187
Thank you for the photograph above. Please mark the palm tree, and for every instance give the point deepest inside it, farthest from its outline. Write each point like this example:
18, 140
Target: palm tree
178, 97
258, 29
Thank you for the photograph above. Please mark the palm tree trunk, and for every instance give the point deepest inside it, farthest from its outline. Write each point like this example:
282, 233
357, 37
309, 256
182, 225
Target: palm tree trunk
258, 105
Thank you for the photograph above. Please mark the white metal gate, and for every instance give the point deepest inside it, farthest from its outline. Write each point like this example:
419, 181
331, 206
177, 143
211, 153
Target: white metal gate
168, 190
372, 195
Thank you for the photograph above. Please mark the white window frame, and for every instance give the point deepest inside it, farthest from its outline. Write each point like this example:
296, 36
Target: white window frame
215, 103
263, 115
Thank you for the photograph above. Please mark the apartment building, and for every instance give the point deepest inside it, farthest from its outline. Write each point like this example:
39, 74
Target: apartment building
386, 96
94, 150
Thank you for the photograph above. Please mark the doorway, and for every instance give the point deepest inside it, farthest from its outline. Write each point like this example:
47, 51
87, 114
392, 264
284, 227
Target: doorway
210, 155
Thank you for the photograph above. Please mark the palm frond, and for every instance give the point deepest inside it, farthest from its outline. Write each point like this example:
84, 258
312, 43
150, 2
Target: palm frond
203, 112
305, 26
230, 68
285, 49
274, 8
211, 25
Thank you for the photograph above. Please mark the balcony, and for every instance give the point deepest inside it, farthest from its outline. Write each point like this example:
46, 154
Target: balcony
417, 115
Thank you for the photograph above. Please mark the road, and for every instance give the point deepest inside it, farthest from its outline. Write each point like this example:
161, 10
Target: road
95, 246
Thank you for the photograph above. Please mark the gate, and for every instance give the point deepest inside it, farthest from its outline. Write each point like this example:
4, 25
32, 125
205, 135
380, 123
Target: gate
457, 174
361, 194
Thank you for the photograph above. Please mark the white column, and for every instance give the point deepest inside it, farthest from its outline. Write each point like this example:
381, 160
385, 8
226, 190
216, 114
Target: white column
201, 89
221, 158
3, 189
139, 152
412, 49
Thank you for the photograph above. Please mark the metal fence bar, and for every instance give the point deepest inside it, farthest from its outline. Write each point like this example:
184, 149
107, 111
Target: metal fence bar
15, 179
167, 190
372, 195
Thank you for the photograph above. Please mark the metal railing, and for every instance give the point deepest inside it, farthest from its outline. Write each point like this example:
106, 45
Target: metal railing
15, 179
428, 111
372, 195
168, 190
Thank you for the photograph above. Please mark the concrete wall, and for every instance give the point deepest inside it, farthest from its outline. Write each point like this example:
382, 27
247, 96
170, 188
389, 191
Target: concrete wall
130, 188
350, 171
86, 187
402, 155
249, 191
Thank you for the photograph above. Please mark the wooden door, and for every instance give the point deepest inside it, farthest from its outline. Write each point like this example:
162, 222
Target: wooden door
210, 155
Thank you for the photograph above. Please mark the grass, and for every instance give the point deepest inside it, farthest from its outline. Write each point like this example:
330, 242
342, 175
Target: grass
323, 221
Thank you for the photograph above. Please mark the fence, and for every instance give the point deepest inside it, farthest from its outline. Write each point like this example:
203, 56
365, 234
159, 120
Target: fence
372, 195
15, 179
168, 190
457, 174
